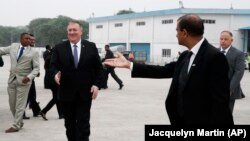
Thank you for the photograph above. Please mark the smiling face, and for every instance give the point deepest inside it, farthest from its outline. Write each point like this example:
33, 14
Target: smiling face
74, 32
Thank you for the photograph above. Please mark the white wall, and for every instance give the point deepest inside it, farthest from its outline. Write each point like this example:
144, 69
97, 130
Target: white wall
157, 58
118, 34
99, 35
212, 31
165, 33
163, 36
140, 34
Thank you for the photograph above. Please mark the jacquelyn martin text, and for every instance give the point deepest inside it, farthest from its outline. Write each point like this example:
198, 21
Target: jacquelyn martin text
185, 134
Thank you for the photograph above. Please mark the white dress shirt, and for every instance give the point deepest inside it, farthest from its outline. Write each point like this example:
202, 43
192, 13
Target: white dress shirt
20, 50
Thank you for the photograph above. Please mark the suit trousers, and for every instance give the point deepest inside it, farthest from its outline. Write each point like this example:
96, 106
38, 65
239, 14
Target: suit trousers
18, 95
77, 119
231, 105
53, 101
32, 99
112, 72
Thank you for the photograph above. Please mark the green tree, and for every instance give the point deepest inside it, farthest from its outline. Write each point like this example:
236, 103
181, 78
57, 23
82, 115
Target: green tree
4, 36
46, 30
53, 31
36, 23
9, 35
121, 12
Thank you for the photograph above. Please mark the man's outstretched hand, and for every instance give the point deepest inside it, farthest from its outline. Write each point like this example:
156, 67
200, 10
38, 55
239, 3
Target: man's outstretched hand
120, 61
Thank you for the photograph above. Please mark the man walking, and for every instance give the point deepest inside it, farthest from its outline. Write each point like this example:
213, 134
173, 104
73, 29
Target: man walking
111, 70
236, 61
32, 92
24, 68
77, 68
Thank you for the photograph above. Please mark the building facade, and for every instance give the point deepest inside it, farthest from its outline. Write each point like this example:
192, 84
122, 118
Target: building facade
153, 34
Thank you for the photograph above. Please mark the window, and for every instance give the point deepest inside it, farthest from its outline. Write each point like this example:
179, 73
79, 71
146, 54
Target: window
140, 23
170, 21
208, 21
118, 25
99, 26
166, 52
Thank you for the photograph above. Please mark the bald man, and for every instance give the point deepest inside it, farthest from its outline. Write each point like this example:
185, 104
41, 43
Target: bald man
199, 92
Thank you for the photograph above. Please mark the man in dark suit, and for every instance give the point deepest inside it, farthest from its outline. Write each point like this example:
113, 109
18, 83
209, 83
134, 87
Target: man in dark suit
236, 61
199, 92
46, 57
111, 70
77, 70
49, 83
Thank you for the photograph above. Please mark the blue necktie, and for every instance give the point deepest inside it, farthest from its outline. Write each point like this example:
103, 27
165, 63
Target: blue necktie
20, 53
75, 55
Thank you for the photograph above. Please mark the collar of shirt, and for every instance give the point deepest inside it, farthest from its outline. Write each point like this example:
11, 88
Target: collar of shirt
226, 50
19, 49
78, 44
22, 46
195, 50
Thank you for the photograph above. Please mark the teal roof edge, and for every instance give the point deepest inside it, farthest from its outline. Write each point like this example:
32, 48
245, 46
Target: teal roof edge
170, 12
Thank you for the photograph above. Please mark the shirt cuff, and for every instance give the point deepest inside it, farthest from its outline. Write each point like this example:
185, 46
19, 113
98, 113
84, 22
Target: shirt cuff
131, 66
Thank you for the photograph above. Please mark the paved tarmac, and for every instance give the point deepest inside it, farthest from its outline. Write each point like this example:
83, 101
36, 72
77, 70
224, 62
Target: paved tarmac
116, 115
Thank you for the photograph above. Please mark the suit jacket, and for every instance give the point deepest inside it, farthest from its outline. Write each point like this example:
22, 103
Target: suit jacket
206, 93
236, 61
109, 55
27, 65
76, 82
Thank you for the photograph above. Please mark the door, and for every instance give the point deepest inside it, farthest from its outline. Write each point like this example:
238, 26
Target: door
141, 51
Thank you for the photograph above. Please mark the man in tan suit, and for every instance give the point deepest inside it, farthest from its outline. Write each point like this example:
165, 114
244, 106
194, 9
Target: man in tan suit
24, 68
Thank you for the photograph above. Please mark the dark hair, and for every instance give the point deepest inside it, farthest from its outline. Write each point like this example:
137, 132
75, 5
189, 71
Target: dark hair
31, 34
192, 23
47, 46
230, 33
107, 46
23, 34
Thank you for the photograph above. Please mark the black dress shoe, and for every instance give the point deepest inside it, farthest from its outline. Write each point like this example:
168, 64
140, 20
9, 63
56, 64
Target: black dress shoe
121, 86
35, 115
24, 117
43, 115
61, 116
243, 96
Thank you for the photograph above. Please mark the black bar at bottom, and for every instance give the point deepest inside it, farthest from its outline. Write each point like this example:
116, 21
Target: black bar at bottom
189, 133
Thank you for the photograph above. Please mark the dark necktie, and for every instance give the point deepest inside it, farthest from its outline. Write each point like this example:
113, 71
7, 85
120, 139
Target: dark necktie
223, 51
75, 55
20, 53
184, 69
182, 83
